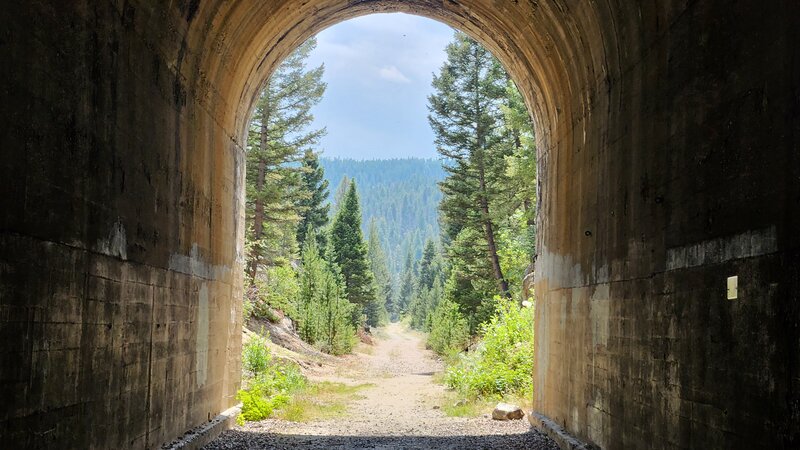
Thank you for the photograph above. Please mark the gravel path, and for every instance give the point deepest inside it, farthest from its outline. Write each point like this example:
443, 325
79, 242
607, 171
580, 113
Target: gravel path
399, 412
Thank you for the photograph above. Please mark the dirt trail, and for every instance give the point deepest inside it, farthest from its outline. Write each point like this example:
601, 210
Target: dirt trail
401, 410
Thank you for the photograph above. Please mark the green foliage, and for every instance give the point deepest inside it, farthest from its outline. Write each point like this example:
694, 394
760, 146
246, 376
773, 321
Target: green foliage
400, 195
272, 382
324, 314
407, 288
384, 290
276, 289
468, 122
350, 255
278, 137
422, 306
313, 206
320, 401
516, 242
256, 355
449, 330
503, 363
485, 136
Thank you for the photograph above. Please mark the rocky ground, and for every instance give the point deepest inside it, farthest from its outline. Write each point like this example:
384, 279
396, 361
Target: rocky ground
401, 411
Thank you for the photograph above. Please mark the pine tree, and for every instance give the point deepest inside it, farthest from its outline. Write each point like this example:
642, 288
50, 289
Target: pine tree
340, 194
467, 120
349, 252
427, 271
380, 271
407, 285
277, 138
521, 169
324, 315
313, 206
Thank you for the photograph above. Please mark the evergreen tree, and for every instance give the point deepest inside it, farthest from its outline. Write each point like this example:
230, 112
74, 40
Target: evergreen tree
521, 170
350, 254
277, 138
380, 271
401, 195
407, 285
341, 193
467, 120
324, 314
313, 205
427, 271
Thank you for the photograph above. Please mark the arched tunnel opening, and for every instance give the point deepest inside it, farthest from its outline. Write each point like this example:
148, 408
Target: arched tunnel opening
667, 274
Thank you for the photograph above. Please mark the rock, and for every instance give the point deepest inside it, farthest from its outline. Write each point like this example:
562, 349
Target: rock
505, 411
435, 406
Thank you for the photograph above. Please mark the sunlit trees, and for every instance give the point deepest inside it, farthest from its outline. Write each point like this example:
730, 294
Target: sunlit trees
467, 120
349, 252
279, 135
384, 290
313, 206
324, 314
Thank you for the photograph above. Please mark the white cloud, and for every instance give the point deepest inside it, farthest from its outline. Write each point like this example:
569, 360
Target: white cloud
393, 74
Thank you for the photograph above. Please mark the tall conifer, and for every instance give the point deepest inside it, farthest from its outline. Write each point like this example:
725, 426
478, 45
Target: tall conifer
349, 252
313, 206
467, 121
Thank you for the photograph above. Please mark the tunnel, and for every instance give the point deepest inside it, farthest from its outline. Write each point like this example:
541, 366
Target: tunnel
669, 177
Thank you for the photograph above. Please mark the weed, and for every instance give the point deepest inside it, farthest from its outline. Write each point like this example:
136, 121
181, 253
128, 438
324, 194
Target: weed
321, 401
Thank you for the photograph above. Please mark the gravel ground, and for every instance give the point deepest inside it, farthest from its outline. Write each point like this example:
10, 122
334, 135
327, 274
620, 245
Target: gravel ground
400, 412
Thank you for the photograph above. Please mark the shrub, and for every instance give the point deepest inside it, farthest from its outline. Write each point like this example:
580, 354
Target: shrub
278, 289
449, 330
256, 355
503, 363
269, 390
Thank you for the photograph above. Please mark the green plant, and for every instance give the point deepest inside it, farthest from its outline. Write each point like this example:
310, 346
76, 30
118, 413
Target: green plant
269, 390
256, 355
320, 401
277, 289
449, 329
503, 363
323, 312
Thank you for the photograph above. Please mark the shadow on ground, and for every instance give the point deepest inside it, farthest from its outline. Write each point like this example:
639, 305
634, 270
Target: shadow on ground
235, 439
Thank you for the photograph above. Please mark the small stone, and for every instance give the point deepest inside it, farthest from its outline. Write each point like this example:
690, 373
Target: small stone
435, 406
505, 411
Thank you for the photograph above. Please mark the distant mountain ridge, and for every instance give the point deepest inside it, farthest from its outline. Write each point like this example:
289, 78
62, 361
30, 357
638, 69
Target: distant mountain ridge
401, 195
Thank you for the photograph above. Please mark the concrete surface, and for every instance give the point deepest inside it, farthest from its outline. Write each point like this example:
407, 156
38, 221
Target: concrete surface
668, 148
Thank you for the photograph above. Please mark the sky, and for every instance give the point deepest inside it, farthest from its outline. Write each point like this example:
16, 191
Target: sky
379, 70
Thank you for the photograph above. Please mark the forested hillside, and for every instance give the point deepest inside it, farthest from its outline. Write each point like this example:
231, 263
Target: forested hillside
342, 246
400, 195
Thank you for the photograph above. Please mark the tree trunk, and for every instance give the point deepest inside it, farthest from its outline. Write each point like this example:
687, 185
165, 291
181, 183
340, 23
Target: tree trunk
488, 230
258, 213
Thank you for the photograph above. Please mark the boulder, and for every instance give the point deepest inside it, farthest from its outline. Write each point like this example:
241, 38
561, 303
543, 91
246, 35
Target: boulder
505, 411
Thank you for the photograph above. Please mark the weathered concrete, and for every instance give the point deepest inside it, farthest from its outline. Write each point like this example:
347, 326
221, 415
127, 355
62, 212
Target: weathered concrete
668, 135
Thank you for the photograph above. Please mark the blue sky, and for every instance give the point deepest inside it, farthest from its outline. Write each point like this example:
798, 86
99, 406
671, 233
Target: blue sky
379, 70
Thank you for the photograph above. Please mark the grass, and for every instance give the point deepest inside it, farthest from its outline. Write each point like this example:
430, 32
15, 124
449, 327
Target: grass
320, 401
455, 406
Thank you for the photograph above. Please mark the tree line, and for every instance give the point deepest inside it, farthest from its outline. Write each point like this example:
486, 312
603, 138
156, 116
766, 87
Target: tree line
307, 257
485, 138
317, 269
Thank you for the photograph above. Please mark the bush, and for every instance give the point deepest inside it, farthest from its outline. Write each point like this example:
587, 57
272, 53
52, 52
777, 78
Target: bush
278, 289
503, 363
256, 355
449, 330
269, 389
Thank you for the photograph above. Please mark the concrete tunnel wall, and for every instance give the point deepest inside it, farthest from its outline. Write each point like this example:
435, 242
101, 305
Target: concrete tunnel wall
667, 133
